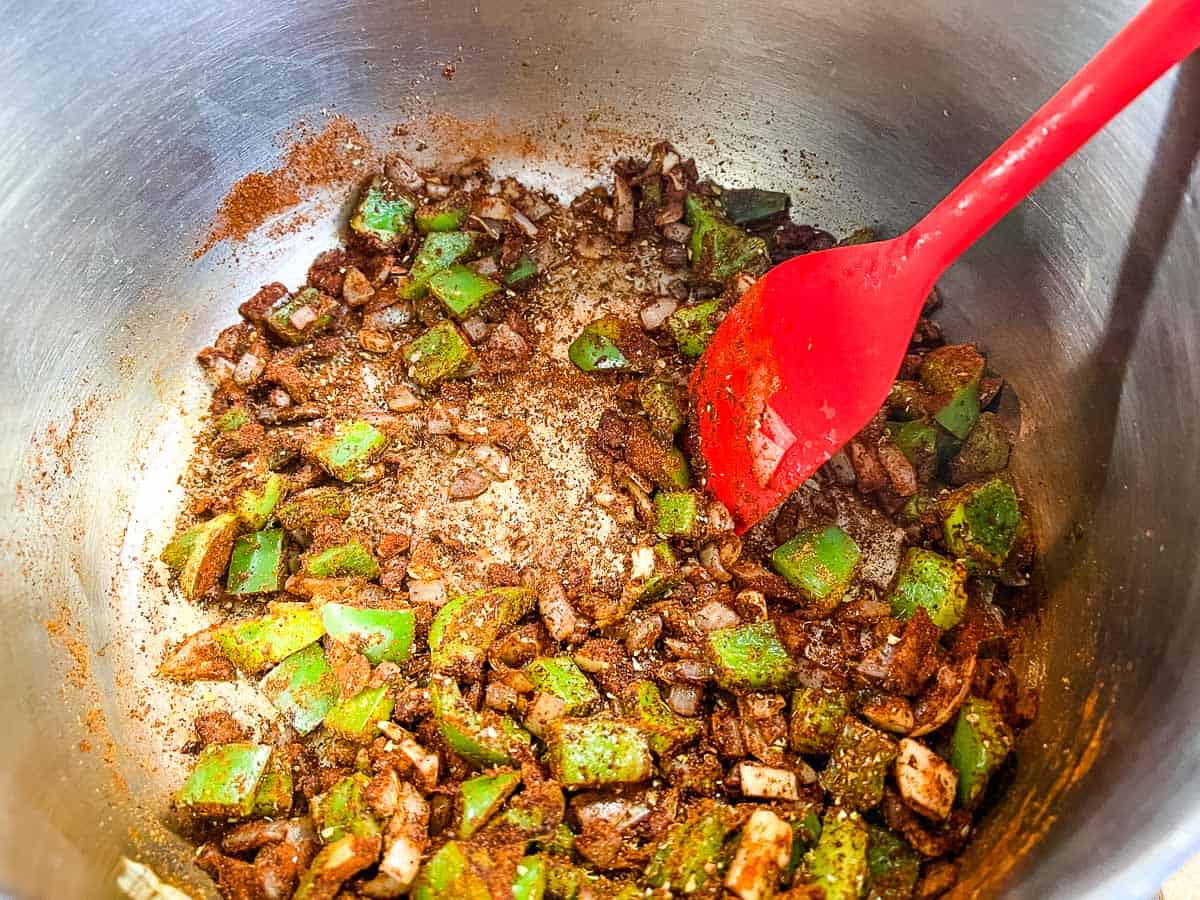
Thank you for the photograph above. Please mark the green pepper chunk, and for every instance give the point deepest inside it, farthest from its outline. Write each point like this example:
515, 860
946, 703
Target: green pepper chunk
464, 629
592, 752
305, 509
300, 317
839, 861
224, 780
558, 675
893, 867
456, 872
274, 795
256, 566
818, 562
462, 291
349, 451
930, 580
439, 250
522, 273
440, 218
232, 419
950, 368
302, 687
596, 348
255, 505
530, 815
383, 214
482, 797
342, 810
693, 853
720, 249
750, 658
440, 354
660, 401
257, 643
484, 738
960, 412
918, 441
754, 208
666, 731
676, 513
530, 883
982, 524
356, 719
350, 558
978, 746
858, 764
864, 235
693, 326
817, 715
379, 634
200, 553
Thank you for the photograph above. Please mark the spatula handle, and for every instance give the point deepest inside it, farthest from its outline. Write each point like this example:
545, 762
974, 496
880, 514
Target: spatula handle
1161, 35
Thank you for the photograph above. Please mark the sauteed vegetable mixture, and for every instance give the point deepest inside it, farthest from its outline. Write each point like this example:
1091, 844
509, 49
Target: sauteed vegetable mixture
453, 534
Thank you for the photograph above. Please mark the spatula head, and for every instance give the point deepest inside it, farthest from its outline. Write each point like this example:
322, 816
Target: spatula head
799, 366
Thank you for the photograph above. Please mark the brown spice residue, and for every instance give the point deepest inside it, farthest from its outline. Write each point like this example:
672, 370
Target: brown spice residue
60, 629
338, 153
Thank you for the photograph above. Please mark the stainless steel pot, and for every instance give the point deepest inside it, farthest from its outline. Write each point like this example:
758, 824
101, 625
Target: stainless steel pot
123, 124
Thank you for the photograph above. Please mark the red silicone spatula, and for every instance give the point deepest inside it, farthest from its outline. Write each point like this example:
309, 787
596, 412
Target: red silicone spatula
807, 356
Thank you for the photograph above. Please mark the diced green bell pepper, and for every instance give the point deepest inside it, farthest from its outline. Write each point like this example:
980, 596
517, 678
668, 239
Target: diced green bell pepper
530, 883
462, 291
661, 580
350, 558
484, 738
302, 687
660, 401
558, 675
818, 562
893, 866
906, 401
950, 368
676, 513
301, 316
457, 871
666, 731
201, 553
232, 419
305, 509
960, 412
930, 580
256, 566
274, 795
349, 451
342, 810
982, 523
719, 249
522, 273
224, 780
593, 752
382, 213
839, 861
440, 218
440, 354
693, 326
858, 764
565, 880
864, 235
379, 634
694, 852
817, 715
597, 349
754, 208
529, 816
918, 441
561, 842
978, 746
482, 796
439, 250
750, 658
255, 505
257, 643
464, 629
984, 452
356, 718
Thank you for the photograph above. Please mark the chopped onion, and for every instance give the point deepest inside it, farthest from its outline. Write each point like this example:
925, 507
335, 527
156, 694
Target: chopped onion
248, 369
643, 633
431, 592
439, 421
714, 615
925, 780
657, 312
593, 246
523, 223
485, 265
623, 205
765, 781
557, 613
476, 329
500, 696
751, 605
677, 231
685, 699
401, 399
437, 191
670, 160
493, 208
710, 558
495, 462
544, 711
763, 852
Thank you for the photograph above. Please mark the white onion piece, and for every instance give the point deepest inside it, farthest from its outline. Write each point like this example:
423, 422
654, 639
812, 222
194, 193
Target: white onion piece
657, 312
523, 223
714, 615
494, 208
475, 328
758, 780
544, 711
431, 592
685, 699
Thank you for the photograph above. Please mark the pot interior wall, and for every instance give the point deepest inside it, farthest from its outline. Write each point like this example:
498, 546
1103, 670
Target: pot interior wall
124, 125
